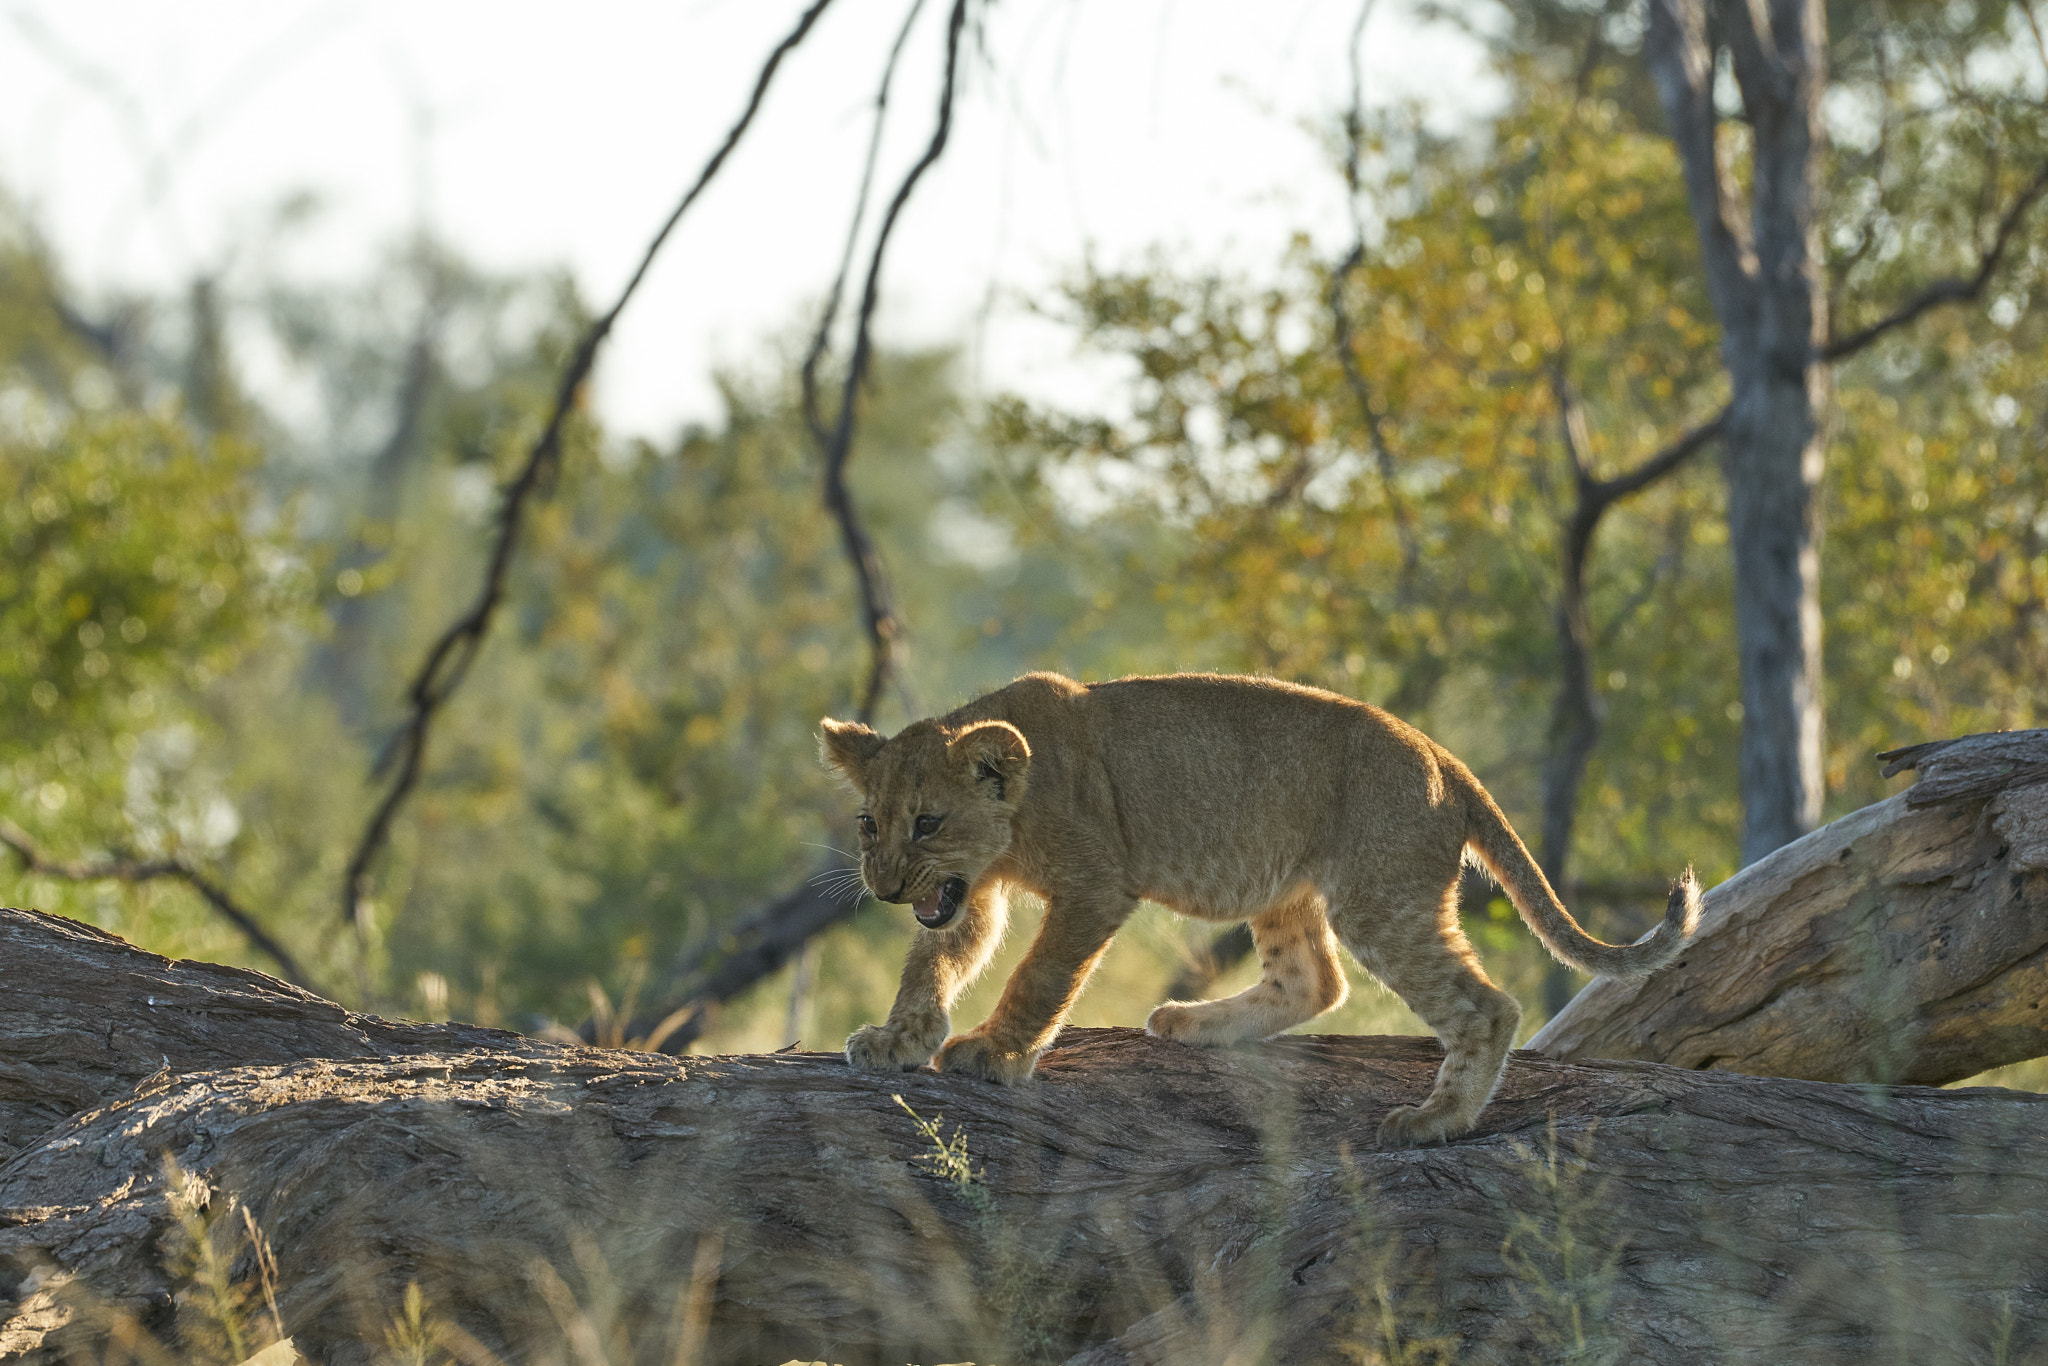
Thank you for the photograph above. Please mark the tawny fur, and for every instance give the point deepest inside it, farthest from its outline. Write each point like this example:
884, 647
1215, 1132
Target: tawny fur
1320, 819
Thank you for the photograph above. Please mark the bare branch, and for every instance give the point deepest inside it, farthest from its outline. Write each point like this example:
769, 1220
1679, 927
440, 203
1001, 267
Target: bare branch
449, 659
822, 340
1340, 312
1950, 291
883, 627
1662, 463
1575, 714
33, 860
2034, 26
721, 966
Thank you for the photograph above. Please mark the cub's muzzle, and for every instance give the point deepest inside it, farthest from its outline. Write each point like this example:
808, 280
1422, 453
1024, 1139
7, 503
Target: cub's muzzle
942, 905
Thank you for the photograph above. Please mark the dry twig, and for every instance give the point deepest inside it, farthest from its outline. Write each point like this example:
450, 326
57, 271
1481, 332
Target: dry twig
883, 627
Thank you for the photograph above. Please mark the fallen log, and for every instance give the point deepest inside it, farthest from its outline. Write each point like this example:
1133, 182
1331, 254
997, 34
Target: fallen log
1906, 942
85, 1016
1141, 1202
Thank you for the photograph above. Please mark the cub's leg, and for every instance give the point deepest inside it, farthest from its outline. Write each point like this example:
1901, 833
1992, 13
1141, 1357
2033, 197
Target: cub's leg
941, 965
1041, 991
1300, 978
1414, 945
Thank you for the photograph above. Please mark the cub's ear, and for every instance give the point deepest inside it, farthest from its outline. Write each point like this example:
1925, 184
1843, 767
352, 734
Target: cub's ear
996, 756
847, 746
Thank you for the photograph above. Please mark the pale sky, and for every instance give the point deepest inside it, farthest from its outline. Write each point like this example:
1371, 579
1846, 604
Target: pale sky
150, 140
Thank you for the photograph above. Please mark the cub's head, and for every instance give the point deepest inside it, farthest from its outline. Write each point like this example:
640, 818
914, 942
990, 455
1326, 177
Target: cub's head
937, 806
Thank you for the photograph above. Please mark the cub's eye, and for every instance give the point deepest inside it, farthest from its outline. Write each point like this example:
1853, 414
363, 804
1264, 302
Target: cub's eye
927, 825
867, 825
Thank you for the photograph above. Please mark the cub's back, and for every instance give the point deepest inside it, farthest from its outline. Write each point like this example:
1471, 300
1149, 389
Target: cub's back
1207, 757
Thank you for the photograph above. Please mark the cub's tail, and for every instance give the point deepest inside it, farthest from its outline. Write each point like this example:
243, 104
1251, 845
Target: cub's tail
1501, 850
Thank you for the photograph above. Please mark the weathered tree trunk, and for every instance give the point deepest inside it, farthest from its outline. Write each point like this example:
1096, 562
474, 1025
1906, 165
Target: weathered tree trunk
1141, 1202
1907, 942
85, 1016
1764, 277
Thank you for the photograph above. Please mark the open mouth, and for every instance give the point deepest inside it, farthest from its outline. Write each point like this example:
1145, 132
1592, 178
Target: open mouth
942, 905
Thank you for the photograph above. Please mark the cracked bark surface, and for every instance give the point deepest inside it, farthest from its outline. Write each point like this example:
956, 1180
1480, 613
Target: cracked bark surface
1141, 1202
85, 1016
1906, 942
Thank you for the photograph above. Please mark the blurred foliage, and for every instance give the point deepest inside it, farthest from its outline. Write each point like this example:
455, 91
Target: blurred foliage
211, 608
1556, 254
236, 517
1556, 250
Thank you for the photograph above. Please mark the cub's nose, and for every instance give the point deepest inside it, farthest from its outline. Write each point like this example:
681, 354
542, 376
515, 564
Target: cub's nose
895, 897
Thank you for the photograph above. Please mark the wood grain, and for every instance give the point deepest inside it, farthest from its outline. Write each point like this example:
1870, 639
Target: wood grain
1905, 942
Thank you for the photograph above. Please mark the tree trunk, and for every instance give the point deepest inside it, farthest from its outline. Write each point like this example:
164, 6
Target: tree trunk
1907, 942
1764, 278
1140, 1202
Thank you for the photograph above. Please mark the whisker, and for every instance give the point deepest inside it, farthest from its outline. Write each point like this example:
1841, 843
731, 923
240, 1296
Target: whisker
841, 886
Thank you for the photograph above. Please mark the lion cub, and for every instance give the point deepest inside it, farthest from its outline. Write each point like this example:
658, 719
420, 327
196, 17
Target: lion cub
1320, 819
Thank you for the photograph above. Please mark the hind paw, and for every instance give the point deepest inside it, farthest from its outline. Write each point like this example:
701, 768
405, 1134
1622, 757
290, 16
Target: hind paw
973, 1055
1414, 1126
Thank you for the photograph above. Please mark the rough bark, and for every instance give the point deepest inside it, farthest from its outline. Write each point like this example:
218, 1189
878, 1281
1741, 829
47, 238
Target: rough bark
1763, 276
85, 1016
1906, 942
1141, 1202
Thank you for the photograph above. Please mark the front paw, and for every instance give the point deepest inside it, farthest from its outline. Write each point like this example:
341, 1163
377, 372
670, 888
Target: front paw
894, 1047
973, 1055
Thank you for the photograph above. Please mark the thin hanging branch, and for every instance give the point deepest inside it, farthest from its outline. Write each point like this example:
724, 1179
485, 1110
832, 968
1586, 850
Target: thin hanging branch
1575, 713
448, 661
33, 860
716, 970
883, 627
821, 341
1340, 311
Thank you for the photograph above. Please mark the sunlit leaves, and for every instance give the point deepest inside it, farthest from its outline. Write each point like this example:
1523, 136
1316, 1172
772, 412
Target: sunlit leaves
132, 581
1559, 255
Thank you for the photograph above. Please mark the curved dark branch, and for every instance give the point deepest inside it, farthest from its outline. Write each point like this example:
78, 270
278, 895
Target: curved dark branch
1575, 721
1662, 463
883, 627
821, 341
1950, 291
723, 965
33, 860
1340, 312
1375, 426
450, 657
717, 969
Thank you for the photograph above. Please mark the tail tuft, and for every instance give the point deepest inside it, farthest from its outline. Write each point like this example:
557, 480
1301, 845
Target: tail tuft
1682, 909
1667, 938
